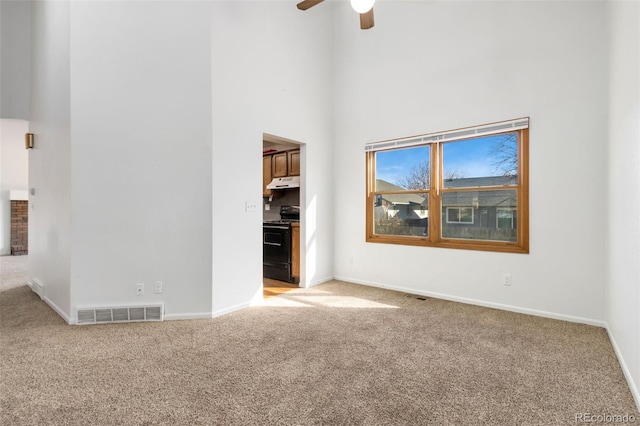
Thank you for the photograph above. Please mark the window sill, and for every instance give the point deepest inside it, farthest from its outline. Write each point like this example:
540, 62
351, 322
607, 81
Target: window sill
495, 246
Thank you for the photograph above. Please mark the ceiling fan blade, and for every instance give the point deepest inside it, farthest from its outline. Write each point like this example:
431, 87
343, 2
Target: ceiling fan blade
366, 20
306, 4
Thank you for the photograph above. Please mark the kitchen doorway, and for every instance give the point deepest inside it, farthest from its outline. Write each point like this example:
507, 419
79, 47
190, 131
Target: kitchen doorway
282, 214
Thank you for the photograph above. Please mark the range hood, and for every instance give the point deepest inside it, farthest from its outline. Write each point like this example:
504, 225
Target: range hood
285, 183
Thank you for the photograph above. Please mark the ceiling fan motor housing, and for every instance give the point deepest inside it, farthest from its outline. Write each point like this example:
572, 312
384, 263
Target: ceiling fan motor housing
363, 7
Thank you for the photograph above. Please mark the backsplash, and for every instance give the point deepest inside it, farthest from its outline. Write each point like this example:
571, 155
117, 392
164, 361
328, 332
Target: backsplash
287, 197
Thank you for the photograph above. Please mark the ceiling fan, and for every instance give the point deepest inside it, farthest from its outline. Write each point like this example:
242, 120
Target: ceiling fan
363, 7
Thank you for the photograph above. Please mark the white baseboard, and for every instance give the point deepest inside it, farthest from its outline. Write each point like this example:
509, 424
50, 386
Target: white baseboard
625, 369
198, 315
59, 311
38, 288
205, 315
230, 309
321, 281
486, 304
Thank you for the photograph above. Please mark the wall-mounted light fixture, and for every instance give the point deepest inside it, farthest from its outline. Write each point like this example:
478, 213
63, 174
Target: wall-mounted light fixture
28, 140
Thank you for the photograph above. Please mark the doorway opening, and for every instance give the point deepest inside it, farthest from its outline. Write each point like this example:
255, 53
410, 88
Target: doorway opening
282, 214
14, 182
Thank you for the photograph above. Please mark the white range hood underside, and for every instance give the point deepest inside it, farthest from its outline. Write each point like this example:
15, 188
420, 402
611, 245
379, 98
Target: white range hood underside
285, 183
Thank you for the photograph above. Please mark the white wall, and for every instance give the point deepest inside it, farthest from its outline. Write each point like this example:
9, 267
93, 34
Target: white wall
50, 160
431, 66
15, 68
271, 73
135, 171
623, 295
14, 173
15, 58
266, 67
141, 154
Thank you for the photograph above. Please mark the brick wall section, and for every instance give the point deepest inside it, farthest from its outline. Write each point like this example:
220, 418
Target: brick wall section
19, 227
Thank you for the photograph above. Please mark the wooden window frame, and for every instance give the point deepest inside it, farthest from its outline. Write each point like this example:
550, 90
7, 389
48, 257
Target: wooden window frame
435, 192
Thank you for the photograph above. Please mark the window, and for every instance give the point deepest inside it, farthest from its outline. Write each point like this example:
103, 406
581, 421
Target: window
505, 218
465, 188
459, 214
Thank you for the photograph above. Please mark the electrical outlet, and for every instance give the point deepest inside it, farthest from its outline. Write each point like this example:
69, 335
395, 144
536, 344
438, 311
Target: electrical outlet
506, 279
139, 289
250, 206
267, 207
350, 260
157, 287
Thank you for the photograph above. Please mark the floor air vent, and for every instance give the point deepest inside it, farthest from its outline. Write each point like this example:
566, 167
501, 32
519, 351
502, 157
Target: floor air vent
416, 296
120, 314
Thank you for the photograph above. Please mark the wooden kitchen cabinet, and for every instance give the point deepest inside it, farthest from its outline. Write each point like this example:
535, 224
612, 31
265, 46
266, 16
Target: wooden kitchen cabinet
279, 163
293, 160
295, 250
267, 175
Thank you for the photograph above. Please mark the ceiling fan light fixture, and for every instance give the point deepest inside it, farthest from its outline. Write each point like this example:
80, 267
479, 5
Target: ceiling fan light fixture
362, 6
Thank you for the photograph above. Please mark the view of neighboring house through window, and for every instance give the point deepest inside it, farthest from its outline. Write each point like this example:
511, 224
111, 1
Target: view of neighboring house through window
460, 215
466, 188
505, 218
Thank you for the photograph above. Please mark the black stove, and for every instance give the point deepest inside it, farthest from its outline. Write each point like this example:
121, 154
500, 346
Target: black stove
276, 244
288, 215
281, 222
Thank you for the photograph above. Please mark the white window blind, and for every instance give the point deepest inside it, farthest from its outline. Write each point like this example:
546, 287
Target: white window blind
451, 135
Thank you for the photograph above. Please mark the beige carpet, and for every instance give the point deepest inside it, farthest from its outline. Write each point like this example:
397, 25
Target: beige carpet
336, 354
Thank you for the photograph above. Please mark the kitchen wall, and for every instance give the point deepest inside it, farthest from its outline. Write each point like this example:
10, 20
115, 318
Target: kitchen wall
288, 197
623, 291
433, 66
14, 173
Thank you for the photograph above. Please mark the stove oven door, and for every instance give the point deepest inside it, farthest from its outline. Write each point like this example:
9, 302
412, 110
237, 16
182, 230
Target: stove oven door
276, 249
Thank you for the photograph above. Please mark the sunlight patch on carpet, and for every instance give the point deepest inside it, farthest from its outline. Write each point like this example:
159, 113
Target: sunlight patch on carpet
323, 299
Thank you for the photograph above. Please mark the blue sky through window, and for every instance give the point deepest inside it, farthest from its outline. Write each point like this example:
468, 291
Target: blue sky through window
467, 158
391, 166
